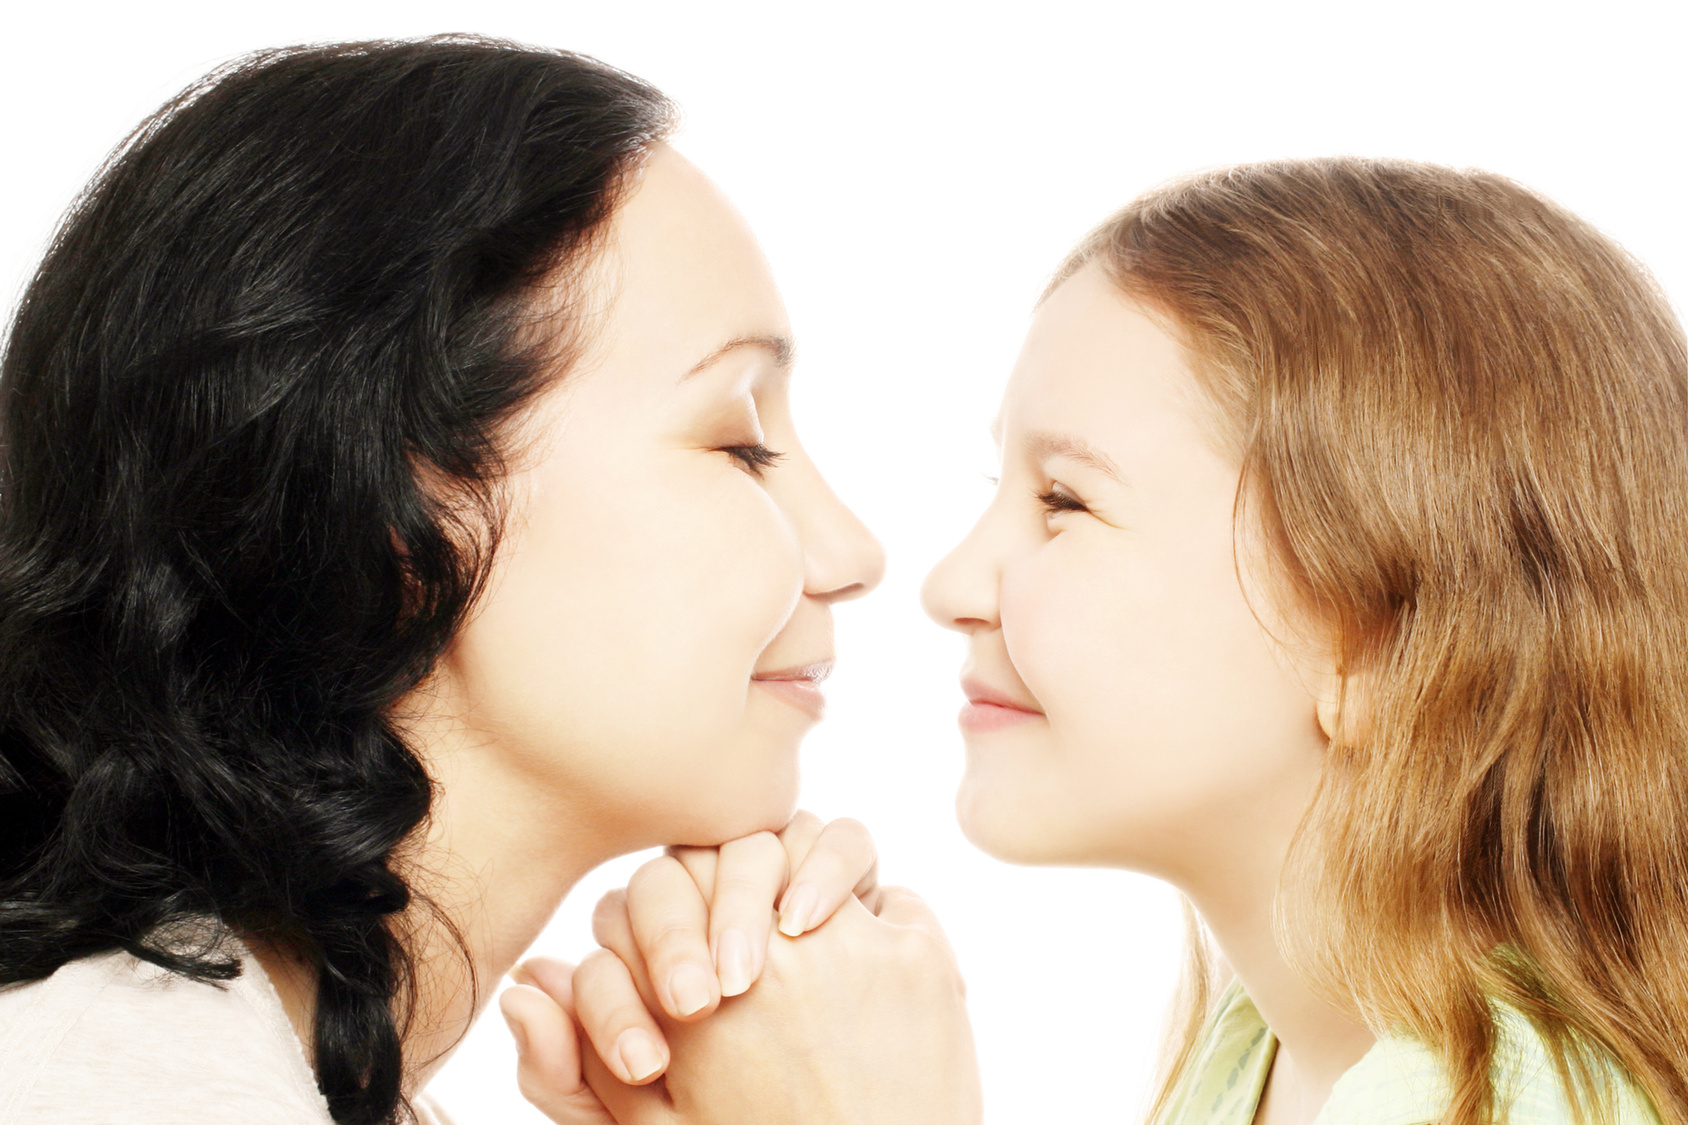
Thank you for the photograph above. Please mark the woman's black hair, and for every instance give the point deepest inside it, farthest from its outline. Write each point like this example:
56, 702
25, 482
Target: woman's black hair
249, 422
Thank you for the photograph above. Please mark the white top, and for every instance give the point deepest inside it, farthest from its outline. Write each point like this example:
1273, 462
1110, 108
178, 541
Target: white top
113, 1040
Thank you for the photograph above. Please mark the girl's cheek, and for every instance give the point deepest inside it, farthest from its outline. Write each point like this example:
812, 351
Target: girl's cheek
1047, 610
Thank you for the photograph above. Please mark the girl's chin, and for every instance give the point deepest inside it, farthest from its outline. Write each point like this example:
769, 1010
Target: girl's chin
1004, 828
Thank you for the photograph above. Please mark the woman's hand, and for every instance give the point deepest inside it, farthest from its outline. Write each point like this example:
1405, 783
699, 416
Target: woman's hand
862, 1021
698, 920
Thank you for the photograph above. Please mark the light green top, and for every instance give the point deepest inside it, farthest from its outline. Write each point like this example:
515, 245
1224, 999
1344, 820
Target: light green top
1398, 1082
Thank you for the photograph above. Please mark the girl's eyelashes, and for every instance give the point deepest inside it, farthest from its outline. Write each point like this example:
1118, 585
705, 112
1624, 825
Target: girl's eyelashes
1057, 499
755, 459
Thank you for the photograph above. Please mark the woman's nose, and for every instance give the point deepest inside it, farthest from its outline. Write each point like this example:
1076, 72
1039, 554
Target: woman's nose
961, 591
841, 557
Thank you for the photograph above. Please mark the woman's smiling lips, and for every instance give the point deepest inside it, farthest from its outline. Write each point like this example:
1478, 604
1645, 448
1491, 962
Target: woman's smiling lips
799, 686
988, 709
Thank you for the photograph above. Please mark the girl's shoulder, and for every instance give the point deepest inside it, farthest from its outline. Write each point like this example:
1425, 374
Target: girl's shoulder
1401, 1082
111, 1038
1398, 1082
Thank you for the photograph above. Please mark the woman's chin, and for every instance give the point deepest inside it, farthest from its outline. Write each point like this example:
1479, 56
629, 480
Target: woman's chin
708, 822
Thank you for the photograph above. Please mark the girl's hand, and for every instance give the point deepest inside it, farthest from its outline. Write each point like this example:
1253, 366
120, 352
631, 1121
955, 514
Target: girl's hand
698, 920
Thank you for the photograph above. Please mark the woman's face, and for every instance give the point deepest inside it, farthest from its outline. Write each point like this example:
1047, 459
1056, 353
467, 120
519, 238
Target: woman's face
1127, 707
647, 653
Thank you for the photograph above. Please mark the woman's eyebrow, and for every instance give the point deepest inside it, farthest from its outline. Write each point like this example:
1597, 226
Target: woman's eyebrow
781, 347
1043, 445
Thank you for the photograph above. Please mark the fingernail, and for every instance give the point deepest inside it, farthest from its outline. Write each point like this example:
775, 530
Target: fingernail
517, 1032
689, 988
638, 1054
733, 962
794, 919
520, 975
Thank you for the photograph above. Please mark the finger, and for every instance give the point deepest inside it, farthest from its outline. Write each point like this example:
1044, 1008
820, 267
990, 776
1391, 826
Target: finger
749, 877
700, 864
629, 1105
611, 927
553, 977
670, 921
900, 906
800, 835
621, 1030
613, 930
548, 1066
841, 862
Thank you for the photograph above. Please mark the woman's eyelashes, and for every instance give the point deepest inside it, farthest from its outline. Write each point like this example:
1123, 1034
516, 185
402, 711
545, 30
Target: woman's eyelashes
755, 458
1056, 499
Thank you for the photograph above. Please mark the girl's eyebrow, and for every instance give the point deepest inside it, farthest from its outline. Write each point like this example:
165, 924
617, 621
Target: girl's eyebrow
781, 347
1042, 446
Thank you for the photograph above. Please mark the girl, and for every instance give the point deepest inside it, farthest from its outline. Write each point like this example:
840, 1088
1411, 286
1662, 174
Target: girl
400, 514
1336, 576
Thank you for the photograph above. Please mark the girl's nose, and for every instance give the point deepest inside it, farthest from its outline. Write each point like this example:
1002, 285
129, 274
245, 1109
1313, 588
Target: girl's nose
961, 591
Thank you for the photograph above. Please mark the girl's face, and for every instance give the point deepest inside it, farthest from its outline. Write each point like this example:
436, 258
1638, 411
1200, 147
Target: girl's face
647, 654
1126, 705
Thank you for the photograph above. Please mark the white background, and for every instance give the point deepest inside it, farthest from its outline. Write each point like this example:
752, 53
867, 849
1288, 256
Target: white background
914, 171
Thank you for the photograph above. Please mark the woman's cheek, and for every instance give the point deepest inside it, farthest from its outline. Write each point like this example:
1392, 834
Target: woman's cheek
616, 643
719, 769
720, 571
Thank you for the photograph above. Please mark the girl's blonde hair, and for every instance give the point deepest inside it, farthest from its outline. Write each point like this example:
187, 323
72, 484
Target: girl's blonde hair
1462, 416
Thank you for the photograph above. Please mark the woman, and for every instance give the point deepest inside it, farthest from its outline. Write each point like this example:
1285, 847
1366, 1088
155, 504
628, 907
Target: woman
401, 515
1335, 576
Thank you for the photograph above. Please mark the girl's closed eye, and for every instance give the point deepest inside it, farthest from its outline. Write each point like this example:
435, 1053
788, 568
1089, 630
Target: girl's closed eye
1056, 499
755, 458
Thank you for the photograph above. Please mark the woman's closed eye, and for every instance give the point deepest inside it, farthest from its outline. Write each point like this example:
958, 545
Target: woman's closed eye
755, 458
1056, 499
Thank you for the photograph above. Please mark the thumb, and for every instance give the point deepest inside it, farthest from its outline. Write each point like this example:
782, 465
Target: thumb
548, 1058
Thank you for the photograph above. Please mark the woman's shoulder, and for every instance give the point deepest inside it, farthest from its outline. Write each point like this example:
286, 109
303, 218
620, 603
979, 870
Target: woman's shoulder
114, 1039
1401, 1082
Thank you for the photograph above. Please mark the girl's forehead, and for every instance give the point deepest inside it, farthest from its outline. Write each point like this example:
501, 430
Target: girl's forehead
1095, 369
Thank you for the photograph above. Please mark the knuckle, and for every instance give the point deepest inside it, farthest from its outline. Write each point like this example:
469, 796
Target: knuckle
532, 1088
850, 827
654, 871
609, 920
598, 985
741, 883
612, 904
763, 847
802, 826
918, 949
596, 969
757, 863
673, 940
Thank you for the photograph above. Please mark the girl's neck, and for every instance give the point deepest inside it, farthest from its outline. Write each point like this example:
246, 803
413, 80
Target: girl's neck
1317, 1042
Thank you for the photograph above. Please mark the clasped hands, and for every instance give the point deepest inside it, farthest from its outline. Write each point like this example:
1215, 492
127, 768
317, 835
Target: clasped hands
770, 981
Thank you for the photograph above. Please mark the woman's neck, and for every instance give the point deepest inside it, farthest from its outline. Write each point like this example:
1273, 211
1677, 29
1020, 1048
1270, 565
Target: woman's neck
500, 852
494, 859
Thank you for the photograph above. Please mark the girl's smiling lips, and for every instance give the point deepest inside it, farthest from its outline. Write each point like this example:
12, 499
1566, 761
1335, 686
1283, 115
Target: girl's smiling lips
799, 686
988, 709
